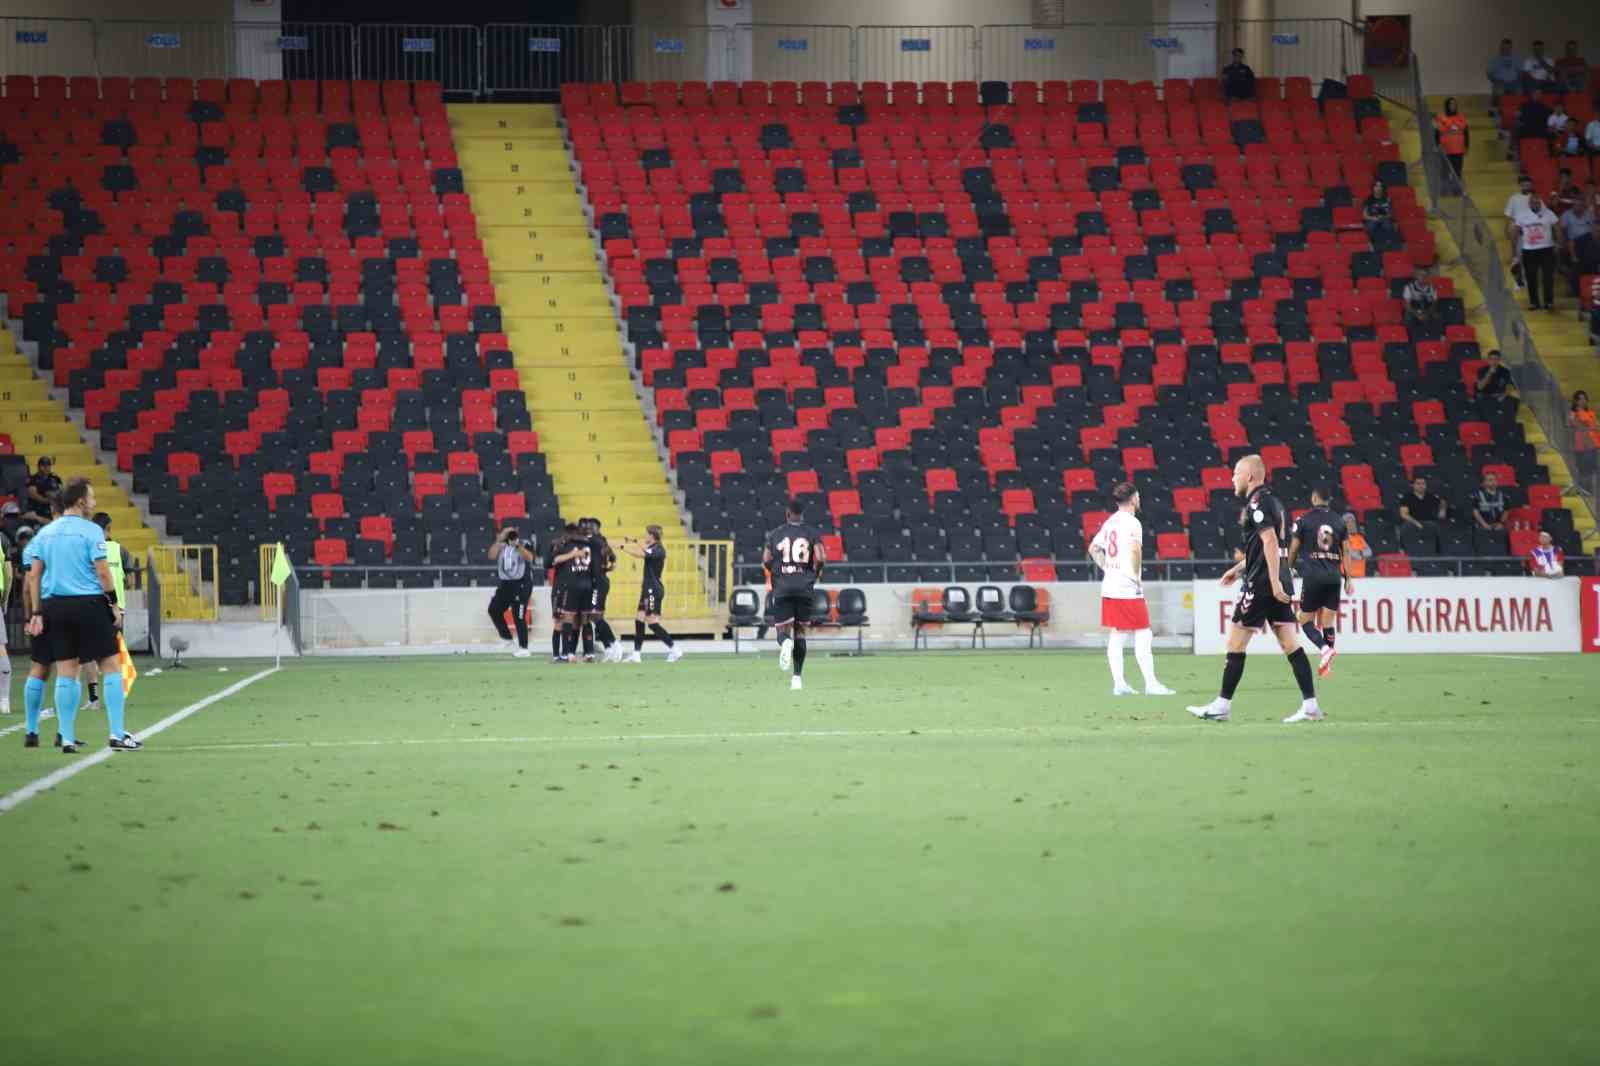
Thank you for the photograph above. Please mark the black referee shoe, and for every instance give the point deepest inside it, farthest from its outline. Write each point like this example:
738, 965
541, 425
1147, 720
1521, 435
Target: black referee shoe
70, 749
30, 740
127, 743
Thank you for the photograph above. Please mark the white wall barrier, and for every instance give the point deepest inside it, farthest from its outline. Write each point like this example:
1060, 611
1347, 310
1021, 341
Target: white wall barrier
1417, 614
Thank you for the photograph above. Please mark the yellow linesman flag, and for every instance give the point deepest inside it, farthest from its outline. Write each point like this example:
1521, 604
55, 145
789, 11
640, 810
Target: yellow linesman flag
125, 666
280, 566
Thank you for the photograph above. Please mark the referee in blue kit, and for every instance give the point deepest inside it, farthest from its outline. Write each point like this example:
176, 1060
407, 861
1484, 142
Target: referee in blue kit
71, 581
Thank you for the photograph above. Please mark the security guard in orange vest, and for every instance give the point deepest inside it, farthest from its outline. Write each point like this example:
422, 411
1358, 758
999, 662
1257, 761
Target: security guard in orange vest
1454, 136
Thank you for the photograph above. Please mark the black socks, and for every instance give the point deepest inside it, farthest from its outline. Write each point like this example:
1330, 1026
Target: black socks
1232, 671
1302, 673
799, 655
1313, 634
638, 635
661, 633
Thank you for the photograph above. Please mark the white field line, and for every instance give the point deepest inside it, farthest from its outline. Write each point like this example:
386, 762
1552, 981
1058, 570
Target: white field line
12, 800
781, 734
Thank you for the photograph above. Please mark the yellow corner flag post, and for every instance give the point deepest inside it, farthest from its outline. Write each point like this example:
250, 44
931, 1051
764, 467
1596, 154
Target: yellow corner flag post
280, 574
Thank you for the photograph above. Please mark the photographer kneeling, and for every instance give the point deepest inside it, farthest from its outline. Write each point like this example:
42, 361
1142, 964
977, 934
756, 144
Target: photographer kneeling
511, 558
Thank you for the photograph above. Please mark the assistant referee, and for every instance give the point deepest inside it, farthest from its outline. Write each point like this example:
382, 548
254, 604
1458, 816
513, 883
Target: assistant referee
71, 582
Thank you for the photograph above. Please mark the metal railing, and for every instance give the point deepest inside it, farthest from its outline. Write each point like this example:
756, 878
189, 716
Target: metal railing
1071, 570
153, 604
528, 58
1477, 239
535, 59
187, 576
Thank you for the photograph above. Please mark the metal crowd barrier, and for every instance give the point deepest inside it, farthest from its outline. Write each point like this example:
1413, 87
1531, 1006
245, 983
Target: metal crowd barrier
535, 59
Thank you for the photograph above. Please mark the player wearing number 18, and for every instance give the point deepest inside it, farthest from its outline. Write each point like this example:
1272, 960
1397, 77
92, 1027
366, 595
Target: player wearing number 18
1118, 550
794, 555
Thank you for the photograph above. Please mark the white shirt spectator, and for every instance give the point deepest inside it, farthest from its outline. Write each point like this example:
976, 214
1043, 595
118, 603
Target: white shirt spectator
1539, 68
1517, 204
1591, 134
1538, 229
1558, 121
1116, 538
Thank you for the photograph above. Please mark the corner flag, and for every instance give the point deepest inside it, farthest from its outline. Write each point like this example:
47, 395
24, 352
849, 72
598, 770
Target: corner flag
125, 666
280, 566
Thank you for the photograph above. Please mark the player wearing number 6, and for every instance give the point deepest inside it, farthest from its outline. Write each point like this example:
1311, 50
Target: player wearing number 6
1118, 550
795, 557
1317, 544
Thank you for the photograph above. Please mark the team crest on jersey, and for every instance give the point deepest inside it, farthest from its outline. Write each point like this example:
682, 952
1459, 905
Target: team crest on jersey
1257, 515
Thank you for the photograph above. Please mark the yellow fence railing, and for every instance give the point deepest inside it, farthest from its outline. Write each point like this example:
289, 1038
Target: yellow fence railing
270, 593
188, 575
698, 576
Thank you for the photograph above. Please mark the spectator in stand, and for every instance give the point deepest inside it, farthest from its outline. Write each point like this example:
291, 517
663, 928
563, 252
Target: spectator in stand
1421, 513
1580, 248
1591, 137
1533, 120
1571, 70
1377, 211
1585, 432
43, 485
1238, 80
1538, 70
1357, 550
1489, 506
1495, 405
1454, 134
1422, 302
1566, 193
1536, 239
1563, 138
1505, 73
1547, 560
1515, 205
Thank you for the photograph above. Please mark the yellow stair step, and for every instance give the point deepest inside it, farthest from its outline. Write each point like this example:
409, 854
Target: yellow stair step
501, 116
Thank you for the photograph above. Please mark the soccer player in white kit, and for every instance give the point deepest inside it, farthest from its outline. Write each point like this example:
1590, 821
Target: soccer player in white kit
1117, 550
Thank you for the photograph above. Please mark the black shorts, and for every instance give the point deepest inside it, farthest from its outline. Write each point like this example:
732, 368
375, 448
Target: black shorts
651, 597
576, 599
1258, 608
597, 598
791, 606
1320, 592
80, 627
39, 649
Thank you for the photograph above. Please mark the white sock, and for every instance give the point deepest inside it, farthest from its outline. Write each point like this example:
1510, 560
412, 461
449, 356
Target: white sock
1143, 643
1116, 640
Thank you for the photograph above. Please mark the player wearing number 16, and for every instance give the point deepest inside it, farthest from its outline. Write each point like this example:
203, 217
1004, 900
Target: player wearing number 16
1118, 550
794, 556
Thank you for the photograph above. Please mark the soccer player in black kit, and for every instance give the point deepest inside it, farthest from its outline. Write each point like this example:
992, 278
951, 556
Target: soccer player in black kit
575, 581
795, 558
652, 593
1317, 546
1263, 598
606, 561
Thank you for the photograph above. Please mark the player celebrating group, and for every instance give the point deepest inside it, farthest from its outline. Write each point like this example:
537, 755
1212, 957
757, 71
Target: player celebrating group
1263, 599
1118, 550
1318, 545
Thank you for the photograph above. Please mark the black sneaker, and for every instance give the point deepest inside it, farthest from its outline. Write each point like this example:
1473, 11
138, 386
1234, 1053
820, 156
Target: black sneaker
69, 749
31, 740
127, 743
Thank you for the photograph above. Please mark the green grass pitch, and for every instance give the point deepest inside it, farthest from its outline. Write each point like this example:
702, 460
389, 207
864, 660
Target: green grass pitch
934, 858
